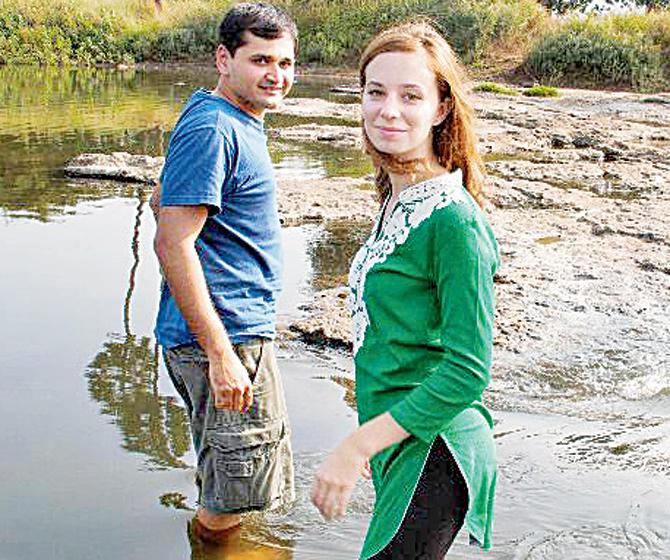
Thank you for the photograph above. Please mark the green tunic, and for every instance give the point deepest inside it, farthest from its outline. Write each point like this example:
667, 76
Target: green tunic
422, 301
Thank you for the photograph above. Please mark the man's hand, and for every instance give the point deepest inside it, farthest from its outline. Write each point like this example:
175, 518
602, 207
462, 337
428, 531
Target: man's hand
230, 384
178, 229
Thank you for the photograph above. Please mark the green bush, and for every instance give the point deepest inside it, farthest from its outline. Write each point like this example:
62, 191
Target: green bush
491, 87
541, 91
631, 50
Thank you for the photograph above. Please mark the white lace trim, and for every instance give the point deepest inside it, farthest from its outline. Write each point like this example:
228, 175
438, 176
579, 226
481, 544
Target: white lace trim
415, 204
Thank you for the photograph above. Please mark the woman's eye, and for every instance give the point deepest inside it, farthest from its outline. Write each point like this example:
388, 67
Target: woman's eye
412, 96
375, 92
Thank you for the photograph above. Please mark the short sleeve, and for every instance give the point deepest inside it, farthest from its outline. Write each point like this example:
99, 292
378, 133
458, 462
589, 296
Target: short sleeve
197, 168
464, 259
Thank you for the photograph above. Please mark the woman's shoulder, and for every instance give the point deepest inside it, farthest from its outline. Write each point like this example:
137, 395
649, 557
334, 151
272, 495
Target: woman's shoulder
443, 196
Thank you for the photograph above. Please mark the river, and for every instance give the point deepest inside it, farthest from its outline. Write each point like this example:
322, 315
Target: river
96, 459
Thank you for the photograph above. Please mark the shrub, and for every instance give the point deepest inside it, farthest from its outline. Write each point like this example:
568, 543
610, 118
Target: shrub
490, 87
105, 31
335, 32
541, 91
630, 50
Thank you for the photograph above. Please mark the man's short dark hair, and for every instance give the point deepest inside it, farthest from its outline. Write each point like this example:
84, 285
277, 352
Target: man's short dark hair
263, 20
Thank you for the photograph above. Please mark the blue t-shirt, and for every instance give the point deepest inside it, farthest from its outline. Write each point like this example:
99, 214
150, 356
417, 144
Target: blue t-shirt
218, 157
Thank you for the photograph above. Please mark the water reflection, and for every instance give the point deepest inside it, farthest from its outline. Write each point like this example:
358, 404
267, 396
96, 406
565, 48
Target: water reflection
313, 158
123, 379
320, 87
331, 249
237, 547
76, 110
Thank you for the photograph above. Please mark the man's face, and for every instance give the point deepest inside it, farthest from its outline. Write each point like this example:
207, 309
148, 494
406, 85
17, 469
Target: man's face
260, 74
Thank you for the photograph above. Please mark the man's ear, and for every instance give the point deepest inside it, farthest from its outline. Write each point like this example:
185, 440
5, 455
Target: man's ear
443, 109
223, 57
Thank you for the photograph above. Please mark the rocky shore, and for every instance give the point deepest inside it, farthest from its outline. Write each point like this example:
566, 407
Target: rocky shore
580, 193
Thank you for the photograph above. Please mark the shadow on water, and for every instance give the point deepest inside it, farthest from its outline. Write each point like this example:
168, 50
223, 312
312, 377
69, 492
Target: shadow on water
123, 379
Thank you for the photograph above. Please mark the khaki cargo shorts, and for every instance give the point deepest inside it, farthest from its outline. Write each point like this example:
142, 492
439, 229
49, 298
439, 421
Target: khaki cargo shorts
245, 461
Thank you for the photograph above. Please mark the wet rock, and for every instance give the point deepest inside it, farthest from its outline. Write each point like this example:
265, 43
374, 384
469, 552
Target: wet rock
590, 169
583, 141
327, 199
649, 266
329, 320
314, 107
346, 89
119, 166
342, 136
611, 153
299, 200
591, 155
560, 141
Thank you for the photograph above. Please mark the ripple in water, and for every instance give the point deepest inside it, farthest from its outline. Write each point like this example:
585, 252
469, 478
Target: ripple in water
598, 542
317, 538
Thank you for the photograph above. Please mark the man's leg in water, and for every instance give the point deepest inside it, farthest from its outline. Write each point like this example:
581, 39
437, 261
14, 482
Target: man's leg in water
244, 459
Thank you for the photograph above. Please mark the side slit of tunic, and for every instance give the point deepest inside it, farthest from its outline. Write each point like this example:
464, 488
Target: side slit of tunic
422, 305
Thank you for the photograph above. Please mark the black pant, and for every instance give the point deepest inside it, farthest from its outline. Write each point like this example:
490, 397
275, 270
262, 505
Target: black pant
436, 512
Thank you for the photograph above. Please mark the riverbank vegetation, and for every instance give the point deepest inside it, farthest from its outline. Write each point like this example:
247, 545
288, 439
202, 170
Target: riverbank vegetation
631, 50
619, 50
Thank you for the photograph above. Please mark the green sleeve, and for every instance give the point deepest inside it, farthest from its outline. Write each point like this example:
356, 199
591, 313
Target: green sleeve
463, 258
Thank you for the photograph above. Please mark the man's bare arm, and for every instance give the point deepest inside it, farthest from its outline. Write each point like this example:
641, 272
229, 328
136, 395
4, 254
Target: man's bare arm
155, 200
178, 229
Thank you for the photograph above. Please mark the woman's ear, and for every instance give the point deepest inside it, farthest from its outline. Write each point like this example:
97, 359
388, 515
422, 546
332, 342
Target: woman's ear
443, 109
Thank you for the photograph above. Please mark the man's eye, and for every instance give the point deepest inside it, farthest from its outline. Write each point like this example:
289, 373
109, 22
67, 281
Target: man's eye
261, 60
285, 64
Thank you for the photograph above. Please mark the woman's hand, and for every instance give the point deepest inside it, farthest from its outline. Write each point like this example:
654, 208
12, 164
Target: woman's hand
336, 478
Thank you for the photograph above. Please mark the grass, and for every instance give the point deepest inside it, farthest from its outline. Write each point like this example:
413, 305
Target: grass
491, 87
334, 33
541, 91
106, 31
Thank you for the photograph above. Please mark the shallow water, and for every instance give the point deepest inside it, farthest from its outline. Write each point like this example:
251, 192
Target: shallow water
96, 459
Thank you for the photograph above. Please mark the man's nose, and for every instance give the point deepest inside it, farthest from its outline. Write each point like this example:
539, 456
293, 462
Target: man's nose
274, 73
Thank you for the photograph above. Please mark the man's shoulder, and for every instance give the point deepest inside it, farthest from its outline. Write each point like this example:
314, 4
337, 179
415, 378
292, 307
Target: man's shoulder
202, 111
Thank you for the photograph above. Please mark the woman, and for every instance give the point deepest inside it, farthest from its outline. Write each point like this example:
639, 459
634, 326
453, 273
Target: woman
422, 294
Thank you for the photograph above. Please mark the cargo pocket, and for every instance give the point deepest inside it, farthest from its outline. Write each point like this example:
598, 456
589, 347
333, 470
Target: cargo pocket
247, 470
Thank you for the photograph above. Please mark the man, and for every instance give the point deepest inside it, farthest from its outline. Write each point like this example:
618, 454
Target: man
218, 243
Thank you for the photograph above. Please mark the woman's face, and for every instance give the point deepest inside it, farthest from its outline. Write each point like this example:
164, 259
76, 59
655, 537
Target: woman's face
401, 104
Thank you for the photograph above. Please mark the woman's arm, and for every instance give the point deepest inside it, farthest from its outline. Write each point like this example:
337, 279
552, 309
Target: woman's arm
463, 257
338, 474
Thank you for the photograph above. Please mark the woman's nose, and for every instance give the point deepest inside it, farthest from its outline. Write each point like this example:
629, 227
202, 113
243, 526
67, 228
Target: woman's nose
390, 109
